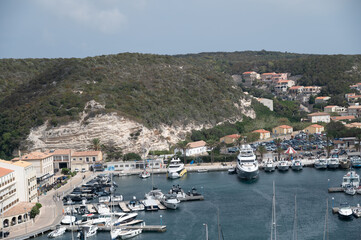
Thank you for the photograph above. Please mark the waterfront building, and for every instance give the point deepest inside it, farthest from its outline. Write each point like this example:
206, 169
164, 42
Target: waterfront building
61, 158
282, 130
319, 117
8, 196
25, 179
44, 167
229, 139
314, 128
85, 159
263, 134
266, 102
131, 165
194, 149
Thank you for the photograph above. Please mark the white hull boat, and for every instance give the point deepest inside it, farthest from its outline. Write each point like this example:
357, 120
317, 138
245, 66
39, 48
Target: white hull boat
351, 179
350, 191
144, 174
57, 232
247, 165
320, 164
67, 220
176, 169
296, 165
125, 234
269, 166
333, 163
283, 166
170, 201
103, 209
345, 212
127, 218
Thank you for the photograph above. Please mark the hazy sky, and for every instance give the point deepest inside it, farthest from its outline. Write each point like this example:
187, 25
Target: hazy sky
80, 28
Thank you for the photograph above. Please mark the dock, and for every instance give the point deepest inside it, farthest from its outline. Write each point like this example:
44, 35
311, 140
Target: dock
335, 189
124, 207
192, 198
145, 228
335, 211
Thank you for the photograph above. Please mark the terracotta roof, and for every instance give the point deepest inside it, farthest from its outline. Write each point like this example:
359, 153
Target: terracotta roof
295, 87
338, 141
261, 131
236, 136
317, 114
5, 171
269, 73
34, 156
17, 163
59, 152
19, 209
343, 118
354, 107
311, 87
283, 81
85, 153
322, 97
248, 72
330, 106
354, 96
196, 144
316, 126
354, 124
285, 126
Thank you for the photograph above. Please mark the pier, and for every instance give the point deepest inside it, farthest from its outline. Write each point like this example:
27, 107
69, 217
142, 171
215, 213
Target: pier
145, 228
335, 189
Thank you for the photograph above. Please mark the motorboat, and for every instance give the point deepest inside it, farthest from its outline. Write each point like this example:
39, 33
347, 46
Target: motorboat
350, 191
124, 233
176, 169
135, 205
269, 166
70, 210
351, 179
150, 204
333, 163
104, 199
103, 209
283, 165
154, 194
83, 209
57, 232
345, 211
193, 192
144, 174
232, 171
178, 191
90, 230
357, 211
356, 162
117, 198
345, 163
170, 201
68, 219
321, 163
296, 165
124, 219
247, 165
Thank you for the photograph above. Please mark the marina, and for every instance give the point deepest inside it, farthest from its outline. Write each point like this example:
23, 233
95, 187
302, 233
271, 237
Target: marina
221, 190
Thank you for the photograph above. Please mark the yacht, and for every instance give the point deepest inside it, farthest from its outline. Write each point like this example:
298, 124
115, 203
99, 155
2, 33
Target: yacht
67, 220
89, 230
104, 199
247, 165
57, 232
283, 165
296, 165
144, 174
124, 219
135, 205
269, 166
356, 162
176, 169
333, 163
124, 233
150, 205
345, 211
321, 164
154, 194
170, 201
117, 198
351, 179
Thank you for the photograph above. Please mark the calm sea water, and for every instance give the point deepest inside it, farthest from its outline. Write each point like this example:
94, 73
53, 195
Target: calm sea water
245, 208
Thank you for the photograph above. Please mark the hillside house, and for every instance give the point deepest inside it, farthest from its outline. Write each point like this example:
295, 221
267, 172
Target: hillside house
282, 130
296, 90
319, 117
229, 139
315, 128
353, 98
263, 134
353, 125
335, 109
250, 77
284, 85
321, 100
312, 90
356, 86
85, 159
197, 148
354, 110
266, 102
343, 118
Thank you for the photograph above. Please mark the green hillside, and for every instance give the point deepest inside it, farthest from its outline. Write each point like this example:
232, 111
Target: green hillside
151, 89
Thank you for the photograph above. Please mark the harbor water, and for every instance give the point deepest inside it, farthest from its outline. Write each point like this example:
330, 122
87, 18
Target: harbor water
245, 208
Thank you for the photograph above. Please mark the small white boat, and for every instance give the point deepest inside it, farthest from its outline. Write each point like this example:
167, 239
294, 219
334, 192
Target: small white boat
296, 165
321, 164
269, 166
154, 194
105, 199
283, 165
176, 189
57, 232
117, 198
127, 218
350, 191
345, 211
170, 201
357, 211
124, 234
67, 220
135, 205
351, 179
91, 230
333, 163
150, 204
144, 174
103, 209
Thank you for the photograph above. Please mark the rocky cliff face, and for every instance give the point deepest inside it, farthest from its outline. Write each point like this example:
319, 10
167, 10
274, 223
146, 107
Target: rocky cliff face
131, 136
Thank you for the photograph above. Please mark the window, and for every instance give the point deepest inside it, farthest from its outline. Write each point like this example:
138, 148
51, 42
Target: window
81, 159
93, 159
87, 159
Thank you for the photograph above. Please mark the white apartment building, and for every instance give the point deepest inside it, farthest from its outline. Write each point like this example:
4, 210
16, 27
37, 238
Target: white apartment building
194, 149
25, 179
8, 196
43, 165
336, 109
61, 158
354, 110
319, 117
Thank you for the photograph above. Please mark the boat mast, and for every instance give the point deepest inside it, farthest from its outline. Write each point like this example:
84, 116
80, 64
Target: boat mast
273, 223
295, 221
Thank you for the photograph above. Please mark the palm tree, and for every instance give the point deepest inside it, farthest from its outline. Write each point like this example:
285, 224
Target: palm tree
95, 144
279, 150
212, 144
262, 150
184, 146
277, 141
328, 147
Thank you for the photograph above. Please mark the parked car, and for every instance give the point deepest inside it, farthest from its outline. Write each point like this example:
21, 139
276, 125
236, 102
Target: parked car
4, 234
83, 170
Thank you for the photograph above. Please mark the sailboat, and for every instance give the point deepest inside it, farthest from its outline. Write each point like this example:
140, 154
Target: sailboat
273, 222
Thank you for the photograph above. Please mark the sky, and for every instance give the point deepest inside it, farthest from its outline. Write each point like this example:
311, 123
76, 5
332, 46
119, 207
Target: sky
81, 28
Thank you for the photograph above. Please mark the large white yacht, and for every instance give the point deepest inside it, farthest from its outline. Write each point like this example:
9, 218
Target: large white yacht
247, 165
176, 169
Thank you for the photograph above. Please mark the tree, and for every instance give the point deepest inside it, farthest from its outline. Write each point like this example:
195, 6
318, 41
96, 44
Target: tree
277, 141
212, 144
95, 144
132, 156
328, 147
262, 150
183, 145
279, 151
112, 151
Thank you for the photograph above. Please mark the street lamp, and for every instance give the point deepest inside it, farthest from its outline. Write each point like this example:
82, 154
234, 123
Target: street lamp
205, 224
